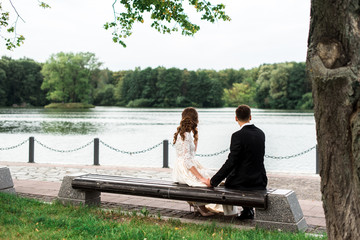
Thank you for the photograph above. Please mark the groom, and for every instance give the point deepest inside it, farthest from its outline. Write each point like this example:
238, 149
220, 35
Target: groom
244, 169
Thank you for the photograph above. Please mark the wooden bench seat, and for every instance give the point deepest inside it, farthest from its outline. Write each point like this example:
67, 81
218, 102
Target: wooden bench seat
274, 209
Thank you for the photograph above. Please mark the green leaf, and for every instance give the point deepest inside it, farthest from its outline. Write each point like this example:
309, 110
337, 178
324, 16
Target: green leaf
163, 15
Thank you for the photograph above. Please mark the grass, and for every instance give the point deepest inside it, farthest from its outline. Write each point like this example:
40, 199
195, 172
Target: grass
22, 218
69, 105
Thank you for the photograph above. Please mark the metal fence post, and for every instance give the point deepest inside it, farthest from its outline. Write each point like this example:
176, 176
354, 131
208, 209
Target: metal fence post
165, 154
96, 151
317, 160
31, 150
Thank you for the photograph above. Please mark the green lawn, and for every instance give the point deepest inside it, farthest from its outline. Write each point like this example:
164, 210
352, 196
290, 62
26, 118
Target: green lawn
22, 218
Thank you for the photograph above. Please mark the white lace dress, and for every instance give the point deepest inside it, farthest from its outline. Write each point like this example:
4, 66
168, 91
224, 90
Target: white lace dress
185, 159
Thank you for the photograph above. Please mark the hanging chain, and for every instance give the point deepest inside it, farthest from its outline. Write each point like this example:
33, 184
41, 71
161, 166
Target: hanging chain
212, 154
207, 155
64, 151
292, 156
131, 153
15, 146
267, 156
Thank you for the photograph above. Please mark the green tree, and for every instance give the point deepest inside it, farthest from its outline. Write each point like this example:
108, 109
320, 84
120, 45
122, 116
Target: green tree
282, 86
3, 95
14, 77
103, 86
150, 78
123, 88
262, 96
215, 94
278, 87
306, 102
105, 96
202, 91
31, 80
230, 76
147, 83
197, 88
132, 86
119, 94
4, 83
240, 93
20, 82
67, 76
298, 86
288, 86
169, 87
172, 87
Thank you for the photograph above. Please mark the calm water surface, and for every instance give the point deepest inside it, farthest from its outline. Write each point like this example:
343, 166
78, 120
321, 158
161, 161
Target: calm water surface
287, 133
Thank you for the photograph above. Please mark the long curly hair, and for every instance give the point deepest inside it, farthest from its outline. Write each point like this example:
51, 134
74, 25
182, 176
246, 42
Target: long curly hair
188, 123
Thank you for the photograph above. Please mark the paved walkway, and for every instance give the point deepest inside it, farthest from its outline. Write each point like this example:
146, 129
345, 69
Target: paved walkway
45, 180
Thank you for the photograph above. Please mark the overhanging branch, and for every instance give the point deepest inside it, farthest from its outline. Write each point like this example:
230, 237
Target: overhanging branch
18, 15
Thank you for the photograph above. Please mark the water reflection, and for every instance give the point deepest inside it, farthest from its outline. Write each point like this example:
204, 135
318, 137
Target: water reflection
68, 128
49, 127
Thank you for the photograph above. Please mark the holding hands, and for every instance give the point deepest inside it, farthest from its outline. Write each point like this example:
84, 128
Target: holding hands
206, 181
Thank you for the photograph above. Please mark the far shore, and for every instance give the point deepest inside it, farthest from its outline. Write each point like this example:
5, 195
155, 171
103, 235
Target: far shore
69, 105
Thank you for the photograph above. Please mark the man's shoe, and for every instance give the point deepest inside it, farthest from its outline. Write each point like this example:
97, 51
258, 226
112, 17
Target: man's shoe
249, 214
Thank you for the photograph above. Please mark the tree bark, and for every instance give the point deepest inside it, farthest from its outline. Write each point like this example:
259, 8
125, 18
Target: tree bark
333, 64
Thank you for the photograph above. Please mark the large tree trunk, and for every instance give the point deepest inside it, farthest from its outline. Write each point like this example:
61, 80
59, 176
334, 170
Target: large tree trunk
333, 64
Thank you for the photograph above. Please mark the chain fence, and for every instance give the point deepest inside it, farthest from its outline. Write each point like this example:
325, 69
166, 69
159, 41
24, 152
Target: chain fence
266, 156
144, 150
63, 151
131, 153
212, 154
292, 156
15, 146
207, 155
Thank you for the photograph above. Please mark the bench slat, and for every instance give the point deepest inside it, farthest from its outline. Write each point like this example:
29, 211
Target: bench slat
169, 190
111, 178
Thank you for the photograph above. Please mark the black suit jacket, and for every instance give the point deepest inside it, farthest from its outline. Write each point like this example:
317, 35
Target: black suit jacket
244, 169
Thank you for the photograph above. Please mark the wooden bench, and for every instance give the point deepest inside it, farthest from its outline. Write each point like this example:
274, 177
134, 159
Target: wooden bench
274, 208
169, 190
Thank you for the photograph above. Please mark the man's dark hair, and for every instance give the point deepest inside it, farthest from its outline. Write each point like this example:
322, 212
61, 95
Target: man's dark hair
243, 112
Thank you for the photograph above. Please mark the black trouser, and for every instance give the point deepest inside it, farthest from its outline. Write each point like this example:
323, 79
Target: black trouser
248, 209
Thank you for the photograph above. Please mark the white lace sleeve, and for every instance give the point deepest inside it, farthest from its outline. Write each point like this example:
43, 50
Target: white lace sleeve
188, 151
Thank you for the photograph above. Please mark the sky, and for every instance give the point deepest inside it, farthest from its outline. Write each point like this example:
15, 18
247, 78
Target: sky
261, 31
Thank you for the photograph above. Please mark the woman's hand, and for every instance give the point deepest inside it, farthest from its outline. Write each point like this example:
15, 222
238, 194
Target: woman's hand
206, 181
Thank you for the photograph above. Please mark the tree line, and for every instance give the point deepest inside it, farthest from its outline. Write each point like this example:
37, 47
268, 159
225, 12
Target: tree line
78, 77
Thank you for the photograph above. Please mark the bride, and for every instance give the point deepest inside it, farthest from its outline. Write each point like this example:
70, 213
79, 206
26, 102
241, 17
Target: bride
187, 170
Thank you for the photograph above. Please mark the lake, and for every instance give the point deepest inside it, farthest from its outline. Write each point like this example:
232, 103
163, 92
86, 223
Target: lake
133, 129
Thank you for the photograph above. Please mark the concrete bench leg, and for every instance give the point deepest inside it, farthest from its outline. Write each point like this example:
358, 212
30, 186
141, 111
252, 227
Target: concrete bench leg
68, 195
6, 182
283, 212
